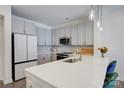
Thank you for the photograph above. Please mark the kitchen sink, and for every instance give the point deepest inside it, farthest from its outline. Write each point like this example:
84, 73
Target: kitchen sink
71, 60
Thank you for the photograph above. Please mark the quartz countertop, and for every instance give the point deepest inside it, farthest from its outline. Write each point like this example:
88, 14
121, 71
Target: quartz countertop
86, 73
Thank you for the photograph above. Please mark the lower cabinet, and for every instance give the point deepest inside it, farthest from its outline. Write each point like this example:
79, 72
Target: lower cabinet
20, 69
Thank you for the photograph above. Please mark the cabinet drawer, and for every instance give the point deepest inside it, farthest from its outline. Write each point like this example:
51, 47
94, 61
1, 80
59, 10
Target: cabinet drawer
19, 69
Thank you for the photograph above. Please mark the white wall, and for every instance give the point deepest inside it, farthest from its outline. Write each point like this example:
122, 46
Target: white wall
112, 35
5, 11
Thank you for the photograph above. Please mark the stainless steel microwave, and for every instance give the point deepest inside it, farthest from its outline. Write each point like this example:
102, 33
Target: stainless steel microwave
65, 40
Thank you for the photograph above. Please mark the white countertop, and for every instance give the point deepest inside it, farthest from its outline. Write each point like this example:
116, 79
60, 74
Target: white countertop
88, 73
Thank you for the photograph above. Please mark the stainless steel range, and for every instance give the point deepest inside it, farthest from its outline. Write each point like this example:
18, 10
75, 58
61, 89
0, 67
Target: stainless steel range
63, 55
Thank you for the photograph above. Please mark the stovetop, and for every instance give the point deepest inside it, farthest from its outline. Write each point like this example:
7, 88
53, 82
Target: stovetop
65, 53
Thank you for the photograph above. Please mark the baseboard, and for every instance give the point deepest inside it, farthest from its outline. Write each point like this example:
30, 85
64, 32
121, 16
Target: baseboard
7, 81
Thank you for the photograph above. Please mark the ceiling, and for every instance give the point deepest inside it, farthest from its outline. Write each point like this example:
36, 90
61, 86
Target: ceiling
51, 15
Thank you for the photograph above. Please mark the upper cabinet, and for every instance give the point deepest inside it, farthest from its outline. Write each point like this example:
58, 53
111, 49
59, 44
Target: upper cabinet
89, 33
74, 35
44, 36
41, 35
53, 34
80, 34
59, 33
23, 27
48, 37
18, 25
29, 28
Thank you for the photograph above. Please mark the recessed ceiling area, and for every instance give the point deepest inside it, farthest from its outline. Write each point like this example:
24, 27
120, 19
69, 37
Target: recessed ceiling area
51, 15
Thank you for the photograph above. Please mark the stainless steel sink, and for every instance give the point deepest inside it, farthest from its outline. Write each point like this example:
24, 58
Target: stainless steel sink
71, 60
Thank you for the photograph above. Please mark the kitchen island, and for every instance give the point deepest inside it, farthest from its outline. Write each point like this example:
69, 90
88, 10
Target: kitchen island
88, 72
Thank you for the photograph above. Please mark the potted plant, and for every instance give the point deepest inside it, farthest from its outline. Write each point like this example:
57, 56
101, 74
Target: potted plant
103, 50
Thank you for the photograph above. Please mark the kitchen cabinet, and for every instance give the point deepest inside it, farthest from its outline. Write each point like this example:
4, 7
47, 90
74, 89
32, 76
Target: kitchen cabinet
53, 34
18, 25
59, 33
44, 36
29, 28
22, 26
41, 36
48, 37
68, 31
81, 34
74, 35
89, 33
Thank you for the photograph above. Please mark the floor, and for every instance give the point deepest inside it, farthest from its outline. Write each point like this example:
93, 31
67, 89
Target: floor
22, 84
17, 84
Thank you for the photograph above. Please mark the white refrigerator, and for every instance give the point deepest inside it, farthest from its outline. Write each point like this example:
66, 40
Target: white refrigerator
24, 54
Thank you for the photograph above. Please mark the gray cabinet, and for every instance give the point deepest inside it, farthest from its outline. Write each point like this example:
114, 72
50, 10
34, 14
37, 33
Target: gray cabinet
44, 36
89, 33
53, 34
48, 37
41, 36
68, 31
74, 35
22, 26
59, 33
81, 34
18, 25
29, 28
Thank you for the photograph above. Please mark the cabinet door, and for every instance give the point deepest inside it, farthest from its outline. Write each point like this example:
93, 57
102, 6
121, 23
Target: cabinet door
68, 31
17, 25
32, 47
41, 36
89, 33
62, 32
53, 32
74, 35
48, 37
20, 48
58, 35
81, 34
29, 28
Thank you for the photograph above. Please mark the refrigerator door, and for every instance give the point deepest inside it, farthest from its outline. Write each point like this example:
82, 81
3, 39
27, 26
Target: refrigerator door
32, 47
20, 48
19, 69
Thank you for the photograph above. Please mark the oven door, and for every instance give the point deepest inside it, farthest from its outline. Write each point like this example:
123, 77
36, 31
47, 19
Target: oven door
61, 57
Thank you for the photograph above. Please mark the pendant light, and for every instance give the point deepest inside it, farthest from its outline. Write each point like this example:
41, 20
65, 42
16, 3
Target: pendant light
99, 17
91, 13
100, 28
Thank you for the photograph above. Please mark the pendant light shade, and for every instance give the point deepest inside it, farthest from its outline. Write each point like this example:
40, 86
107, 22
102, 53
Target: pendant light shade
99, 17
91, 13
